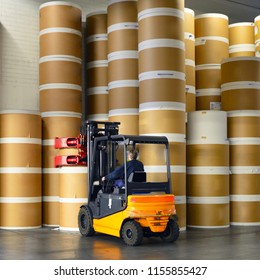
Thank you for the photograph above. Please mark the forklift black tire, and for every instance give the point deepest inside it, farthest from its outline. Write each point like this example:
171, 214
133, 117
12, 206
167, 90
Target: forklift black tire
85, 222
132, 233
171, 232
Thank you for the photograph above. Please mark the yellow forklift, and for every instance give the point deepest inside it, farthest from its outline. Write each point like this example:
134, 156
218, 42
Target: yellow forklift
143, 207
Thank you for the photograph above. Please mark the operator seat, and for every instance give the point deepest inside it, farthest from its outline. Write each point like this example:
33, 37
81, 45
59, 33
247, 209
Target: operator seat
137, 176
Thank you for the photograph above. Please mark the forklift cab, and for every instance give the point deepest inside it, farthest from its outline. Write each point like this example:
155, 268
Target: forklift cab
110, 153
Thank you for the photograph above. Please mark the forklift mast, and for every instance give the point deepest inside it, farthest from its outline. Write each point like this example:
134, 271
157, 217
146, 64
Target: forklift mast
98, 164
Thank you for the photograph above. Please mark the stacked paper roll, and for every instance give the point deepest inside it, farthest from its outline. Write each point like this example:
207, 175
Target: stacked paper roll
207, 170
189, 39
60, 78
162, 90
20, 169
123, 84
240, 98
241, 39
97, 66
211, 47
257, 36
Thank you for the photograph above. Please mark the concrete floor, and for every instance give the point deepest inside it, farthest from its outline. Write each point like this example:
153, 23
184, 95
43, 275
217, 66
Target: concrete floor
234, 243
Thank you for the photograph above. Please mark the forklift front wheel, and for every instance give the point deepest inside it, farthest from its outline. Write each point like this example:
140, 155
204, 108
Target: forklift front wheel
132, 233
171, 232
85, 222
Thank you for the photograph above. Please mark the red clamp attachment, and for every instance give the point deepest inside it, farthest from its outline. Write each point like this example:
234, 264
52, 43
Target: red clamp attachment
66, 160
71, 142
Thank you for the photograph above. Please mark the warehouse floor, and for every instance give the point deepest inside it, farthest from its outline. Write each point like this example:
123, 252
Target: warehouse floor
234, 243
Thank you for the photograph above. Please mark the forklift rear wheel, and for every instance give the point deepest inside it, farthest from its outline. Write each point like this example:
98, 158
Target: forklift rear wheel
171, 232
85, 222
132, 233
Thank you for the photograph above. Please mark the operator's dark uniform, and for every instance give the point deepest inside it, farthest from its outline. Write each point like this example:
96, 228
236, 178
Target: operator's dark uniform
131, 166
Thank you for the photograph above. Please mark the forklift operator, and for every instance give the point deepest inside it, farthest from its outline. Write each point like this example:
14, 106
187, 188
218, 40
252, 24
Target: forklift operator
132, 165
